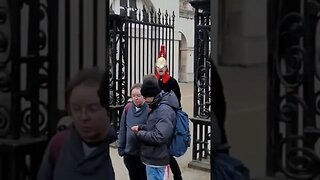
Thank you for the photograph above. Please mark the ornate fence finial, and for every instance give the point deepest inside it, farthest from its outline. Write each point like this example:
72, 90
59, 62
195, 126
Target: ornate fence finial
151, 15
166, 15
126, 10
139, 15
145, 15
159, 16
135, 9
173, 16
155, 16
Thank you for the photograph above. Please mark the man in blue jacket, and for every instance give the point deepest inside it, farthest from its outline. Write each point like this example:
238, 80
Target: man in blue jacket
156, 134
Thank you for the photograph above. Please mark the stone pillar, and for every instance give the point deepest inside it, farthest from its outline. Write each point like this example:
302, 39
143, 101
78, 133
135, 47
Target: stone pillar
244, 39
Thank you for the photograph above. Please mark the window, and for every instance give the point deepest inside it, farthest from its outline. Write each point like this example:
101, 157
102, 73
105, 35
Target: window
131, 4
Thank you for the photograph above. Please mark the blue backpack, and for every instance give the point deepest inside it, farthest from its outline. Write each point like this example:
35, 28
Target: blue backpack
181, 134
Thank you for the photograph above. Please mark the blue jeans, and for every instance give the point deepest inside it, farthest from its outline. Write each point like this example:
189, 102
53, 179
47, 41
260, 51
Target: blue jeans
155, 173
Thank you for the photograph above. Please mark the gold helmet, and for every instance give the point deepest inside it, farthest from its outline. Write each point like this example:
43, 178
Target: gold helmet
161, 62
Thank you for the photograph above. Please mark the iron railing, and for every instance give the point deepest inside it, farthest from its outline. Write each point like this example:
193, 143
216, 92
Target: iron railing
40, 50
293, 89
135, 39
209, 110
24, 85
209, 104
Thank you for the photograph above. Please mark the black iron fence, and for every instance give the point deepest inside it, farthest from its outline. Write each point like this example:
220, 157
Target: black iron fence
209, 102
293, 89
42, 44
135, 40
202, 87
24, 85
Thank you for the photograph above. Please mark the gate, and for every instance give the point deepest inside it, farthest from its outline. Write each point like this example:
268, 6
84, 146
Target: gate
209, 103
135, 40
40, 49
293, 89
26, 74
45, 42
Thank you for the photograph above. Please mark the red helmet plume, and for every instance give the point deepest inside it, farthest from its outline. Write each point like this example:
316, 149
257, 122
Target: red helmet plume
162, 52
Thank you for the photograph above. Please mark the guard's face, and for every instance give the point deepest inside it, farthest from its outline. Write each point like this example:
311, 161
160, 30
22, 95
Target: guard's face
91, 120
137, 98
161, 71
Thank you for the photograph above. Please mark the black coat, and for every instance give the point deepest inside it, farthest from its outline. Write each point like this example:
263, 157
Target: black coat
171, 85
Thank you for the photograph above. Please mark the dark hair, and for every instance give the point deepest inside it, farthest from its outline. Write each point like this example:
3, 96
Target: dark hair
135, 86
91, 76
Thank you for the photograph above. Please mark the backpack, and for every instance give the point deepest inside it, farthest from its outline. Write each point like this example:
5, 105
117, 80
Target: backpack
181, 134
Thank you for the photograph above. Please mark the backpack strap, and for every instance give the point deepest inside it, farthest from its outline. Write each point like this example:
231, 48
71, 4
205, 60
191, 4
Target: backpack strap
174, 108
126, 110
56, 146
127, 107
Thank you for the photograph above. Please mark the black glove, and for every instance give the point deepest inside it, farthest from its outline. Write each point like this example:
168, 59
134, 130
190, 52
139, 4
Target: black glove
121, 152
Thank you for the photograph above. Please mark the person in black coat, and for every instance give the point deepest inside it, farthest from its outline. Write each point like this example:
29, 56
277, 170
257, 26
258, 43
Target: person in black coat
167, 83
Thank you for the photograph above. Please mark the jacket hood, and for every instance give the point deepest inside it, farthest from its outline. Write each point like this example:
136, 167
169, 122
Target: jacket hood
170, 99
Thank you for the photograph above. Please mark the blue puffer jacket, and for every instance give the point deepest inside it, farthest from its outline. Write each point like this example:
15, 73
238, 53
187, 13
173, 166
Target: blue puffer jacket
156, 134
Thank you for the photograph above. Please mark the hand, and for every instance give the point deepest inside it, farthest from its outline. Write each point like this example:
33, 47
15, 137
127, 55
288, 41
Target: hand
121, 152
135, 128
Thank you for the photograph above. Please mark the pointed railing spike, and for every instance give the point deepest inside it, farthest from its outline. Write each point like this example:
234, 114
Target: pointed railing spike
166, 17
159, 16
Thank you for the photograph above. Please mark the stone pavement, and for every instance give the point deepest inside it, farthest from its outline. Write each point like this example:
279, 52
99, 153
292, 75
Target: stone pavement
245, 92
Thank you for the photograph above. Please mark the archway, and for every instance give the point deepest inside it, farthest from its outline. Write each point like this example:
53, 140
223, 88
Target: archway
185, 61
